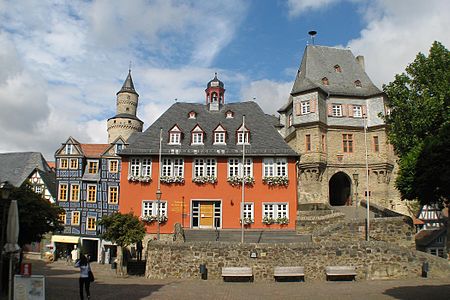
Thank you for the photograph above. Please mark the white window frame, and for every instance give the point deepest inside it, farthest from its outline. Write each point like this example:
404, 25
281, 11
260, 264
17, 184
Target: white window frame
290, 120
118, 147
146, 167
172, 167
305, 107
197, 138
243, 137
336, 110
76, 164
150, 208
249, 210
174, 138
219, 138
275, 167
275, 210
235, 167
135, 167
61, 163
357, 111
69, 149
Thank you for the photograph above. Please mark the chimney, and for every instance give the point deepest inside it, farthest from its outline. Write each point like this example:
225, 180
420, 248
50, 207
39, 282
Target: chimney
360, 61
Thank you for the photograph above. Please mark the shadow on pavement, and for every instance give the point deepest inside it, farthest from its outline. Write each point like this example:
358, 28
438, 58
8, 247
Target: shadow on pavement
67, 289
434, 292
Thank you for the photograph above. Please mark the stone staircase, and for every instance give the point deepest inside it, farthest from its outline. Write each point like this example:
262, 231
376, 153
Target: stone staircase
250, 236
352, 212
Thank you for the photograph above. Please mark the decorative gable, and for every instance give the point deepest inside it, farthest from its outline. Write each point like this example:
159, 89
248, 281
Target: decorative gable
192, 115
229, 114
242, 135
70, 147
175, 135
197, 135
220, 135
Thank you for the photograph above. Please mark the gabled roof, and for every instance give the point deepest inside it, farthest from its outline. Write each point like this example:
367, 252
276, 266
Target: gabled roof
16, 167
265, 139
49, 179
426, 237
94, 150
319, 62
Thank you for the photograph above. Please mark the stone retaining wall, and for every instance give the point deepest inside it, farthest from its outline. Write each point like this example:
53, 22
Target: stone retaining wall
373, 260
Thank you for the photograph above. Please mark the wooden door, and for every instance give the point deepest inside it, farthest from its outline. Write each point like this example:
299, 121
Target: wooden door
206, 214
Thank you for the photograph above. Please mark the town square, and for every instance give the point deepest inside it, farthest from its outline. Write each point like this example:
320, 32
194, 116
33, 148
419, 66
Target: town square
151, 151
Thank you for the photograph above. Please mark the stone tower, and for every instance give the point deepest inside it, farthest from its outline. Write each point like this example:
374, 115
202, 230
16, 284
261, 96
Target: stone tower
125, 122
331, 103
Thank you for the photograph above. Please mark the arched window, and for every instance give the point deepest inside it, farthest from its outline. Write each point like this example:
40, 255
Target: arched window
325, 81
358, 83
337, 69
214, 97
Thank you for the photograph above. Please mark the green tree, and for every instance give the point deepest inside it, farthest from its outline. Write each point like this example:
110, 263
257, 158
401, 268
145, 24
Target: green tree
418, 126
122, 229
37, 216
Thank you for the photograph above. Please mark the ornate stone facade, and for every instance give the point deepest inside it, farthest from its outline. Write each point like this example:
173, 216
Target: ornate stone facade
331, 103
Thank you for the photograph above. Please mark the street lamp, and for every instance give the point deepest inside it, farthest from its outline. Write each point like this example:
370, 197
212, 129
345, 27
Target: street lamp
356, 180
6, 189
158, 198
367, 181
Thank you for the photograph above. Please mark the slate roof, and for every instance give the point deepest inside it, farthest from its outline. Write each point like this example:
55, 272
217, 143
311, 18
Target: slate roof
128, 85
319, 61
264, 138
49, 179
426, 237
15, 167
126, 116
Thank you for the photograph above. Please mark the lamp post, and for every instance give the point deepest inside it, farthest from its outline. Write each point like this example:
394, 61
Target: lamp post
158, 191
5, 188
367, 181
356, 180
244, 132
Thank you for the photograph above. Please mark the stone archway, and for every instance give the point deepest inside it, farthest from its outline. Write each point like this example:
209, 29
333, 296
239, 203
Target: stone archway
340, 189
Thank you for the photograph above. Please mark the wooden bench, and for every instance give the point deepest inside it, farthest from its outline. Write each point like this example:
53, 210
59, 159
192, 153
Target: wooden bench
289, 272
340, 272
237, 272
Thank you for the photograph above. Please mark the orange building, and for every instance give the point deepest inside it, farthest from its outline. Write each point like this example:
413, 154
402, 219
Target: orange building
201, 172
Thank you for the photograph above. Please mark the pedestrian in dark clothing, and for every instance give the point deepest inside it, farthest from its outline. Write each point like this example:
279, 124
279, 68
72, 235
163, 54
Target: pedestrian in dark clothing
139, 250
84, 266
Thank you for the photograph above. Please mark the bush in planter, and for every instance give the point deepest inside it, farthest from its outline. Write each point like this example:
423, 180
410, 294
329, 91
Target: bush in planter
268, 220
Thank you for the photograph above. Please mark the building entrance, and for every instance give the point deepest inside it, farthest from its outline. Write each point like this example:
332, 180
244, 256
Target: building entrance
339, 189
206, 214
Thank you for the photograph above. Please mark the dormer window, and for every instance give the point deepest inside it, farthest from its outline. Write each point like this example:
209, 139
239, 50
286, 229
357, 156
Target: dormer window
192, 115
219, 135
119, 148
175, 135
325, 81
229, 114
337, 69
69, 149
243, 136
358, 83
197, 136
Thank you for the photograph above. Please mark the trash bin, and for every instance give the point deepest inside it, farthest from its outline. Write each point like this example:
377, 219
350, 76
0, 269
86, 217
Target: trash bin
425, 269
203, 271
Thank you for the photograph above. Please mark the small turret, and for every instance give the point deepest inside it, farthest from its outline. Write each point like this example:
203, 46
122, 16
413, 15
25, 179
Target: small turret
215, 93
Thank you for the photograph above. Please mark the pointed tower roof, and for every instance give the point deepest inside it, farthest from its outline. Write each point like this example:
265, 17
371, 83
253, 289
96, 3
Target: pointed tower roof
128, 85
215, 82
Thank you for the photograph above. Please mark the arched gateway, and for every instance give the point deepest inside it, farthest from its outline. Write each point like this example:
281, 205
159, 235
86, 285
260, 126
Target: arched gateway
340, 189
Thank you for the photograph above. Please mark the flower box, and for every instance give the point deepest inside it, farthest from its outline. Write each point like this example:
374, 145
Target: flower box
204, 179
247, 221
172, 179
268, 220
282, 221
237, 180
276, 180
144, 179
154, 218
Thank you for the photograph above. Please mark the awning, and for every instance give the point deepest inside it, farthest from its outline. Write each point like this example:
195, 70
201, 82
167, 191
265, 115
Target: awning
65, 239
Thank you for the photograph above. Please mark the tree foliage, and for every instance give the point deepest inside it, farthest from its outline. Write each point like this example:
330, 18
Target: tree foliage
37, 216
122, 229
418, 125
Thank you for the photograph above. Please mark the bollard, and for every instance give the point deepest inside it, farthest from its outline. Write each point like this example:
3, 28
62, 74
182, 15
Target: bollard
425, 269
203, 271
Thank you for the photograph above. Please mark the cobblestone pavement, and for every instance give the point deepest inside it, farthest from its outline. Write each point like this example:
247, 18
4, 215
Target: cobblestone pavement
62, 283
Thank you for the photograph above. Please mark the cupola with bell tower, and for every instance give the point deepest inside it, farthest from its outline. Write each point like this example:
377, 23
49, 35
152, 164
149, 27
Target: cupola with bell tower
125, 122
215, 93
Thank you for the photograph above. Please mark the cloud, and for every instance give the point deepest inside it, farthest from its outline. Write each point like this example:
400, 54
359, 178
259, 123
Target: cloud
298, 7
63, 62
396, 31
268, 94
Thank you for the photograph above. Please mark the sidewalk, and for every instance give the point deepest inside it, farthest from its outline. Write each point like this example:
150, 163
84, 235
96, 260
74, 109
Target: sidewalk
62, 283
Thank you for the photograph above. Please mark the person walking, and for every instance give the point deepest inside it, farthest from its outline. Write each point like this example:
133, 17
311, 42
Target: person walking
84, 266
139, 250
